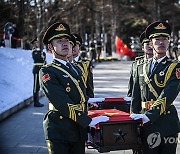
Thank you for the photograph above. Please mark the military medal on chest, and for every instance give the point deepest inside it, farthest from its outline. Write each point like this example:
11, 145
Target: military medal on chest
68, 88
161, 73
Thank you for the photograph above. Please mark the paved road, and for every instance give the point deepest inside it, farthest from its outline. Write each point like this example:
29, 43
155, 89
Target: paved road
22, 132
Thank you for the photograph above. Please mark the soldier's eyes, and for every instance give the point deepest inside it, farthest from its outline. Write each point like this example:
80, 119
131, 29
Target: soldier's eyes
161, 39
59, 40
62, 40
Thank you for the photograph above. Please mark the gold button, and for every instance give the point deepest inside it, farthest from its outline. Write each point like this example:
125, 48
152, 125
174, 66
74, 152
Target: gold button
158, 107
168, 112
164, 112
79, 114
78, 80
60, 117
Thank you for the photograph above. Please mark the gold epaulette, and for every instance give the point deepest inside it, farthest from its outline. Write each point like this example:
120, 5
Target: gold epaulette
140, 62
85, 60
33, 50
138, 58
38, 64
175, 61
47, 65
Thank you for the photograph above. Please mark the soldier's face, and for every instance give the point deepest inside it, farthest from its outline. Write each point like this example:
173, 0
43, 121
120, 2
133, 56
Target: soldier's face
35, 44
76, 50
61, 46
160, 44
147, 48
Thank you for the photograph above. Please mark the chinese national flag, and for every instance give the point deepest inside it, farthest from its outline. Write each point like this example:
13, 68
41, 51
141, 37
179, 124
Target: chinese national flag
113, 114
122, 48
119, 44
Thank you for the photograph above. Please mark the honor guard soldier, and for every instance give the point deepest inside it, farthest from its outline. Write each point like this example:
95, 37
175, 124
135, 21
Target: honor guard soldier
66, 121
148, 53
39, 58
156, 86
83, 52
99, 48
85, 66
92, 51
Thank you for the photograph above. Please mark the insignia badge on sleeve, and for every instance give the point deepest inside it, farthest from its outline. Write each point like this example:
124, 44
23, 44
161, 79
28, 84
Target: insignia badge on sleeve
178, 73
45, 77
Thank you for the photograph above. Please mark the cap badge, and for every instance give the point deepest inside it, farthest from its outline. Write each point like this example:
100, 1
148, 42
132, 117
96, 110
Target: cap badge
60, 28
160, 26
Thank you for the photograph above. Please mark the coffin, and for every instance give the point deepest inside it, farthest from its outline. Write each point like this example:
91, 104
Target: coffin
114, 103
119, 133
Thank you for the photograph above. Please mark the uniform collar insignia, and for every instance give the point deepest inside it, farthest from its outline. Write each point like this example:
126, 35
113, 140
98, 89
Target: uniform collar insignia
164, 62
160, 26
60, 28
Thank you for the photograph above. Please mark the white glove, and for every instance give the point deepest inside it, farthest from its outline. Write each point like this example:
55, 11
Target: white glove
93, 100
98, 119
144, 118
127, 98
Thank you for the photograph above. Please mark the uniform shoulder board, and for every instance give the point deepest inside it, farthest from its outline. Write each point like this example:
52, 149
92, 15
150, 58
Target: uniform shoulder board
48, 65
140, 62
85, 60
173, 60
138, 58
33, 50
176, 61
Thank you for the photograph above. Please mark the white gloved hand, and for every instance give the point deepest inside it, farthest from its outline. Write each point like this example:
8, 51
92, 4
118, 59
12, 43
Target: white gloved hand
144, 118
97, 120
127, 98
93, 100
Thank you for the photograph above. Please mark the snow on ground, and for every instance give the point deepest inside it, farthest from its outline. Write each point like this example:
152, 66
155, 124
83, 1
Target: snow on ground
16, 78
